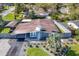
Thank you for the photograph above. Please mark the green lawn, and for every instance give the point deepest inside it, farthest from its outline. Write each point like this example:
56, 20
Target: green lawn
9, 17
6, 7
74, 51
36, 52
5, 30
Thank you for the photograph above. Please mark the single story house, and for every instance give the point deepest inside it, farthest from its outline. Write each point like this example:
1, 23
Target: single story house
38, 29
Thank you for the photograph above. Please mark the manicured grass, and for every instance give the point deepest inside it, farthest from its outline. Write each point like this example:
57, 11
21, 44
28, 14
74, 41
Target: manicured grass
5, 30
36, 52
74, 51
9, 17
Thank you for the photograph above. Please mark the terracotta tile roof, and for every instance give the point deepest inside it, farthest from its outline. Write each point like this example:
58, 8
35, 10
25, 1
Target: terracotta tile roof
48, 25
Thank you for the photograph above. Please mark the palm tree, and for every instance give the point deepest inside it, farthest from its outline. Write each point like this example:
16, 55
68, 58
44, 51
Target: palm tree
54, 41
50, 41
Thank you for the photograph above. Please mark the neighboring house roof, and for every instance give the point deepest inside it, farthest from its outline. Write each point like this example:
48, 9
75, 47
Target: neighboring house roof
12, 24
4, 47
62, 28
26, 20
48, 26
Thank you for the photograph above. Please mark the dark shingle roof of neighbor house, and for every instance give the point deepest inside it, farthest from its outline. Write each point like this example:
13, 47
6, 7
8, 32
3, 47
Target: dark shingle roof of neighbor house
48, 26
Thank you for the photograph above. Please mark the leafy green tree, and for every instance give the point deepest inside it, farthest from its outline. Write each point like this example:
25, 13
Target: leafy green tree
32, 14
55, 16
19, 8
77, 32
65, 19
1, 21
76, 37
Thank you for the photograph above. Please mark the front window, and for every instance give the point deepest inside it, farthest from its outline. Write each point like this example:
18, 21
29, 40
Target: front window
33, 34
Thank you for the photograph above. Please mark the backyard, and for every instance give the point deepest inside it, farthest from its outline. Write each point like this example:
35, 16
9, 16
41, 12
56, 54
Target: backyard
9, 17
36, 52
74, 50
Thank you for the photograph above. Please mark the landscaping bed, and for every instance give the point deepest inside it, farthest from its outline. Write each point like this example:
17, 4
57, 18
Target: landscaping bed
9, 17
